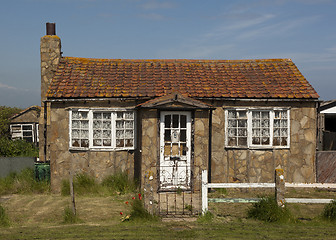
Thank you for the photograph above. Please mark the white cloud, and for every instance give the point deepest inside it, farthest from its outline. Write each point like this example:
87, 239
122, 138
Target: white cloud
7, 87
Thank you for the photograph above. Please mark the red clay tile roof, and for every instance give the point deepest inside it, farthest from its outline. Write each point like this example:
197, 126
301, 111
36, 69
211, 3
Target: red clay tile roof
108, 78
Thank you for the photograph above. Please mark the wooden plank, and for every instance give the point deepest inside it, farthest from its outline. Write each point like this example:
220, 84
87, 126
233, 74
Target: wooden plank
253, 200
311, 185
241, 185
234, 200
307, 200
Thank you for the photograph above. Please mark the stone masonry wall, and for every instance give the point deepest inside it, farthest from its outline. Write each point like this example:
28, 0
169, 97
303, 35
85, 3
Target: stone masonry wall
98, 164
257, 165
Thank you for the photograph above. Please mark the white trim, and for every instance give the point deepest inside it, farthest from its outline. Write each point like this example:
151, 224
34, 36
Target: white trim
113, 112
249, 112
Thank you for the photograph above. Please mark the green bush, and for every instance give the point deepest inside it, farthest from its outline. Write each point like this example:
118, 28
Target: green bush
4, 221
24, 182
329, 211
17, 148
267, 210
120, 183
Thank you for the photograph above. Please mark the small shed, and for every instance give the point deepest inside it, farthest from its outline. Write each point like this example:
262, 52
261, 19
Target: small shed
25, 125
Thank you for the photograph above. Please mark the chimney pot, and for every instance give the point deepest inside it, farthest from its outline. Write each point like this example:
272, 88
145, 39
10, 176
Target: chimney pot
51, 28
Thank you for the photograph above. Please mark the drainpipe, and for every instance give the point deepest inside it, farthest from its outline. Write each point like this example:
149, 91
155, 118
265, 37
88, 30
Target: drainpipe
210, 145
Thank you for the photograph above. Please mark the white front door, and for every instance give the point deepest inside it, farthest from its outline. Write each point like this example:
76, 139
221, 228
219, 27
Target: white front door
175, 150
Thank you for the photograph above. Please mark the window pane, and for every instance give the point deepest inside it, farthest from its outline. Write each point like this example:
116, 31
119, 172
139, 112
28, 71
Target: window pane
237, 128
80, 129
120, 133
232, 141
183, 135
120, 143
97, 115
27, 127
106, 142
85, 143
242, 141
183, 121
97, 142
27, 133
129, 124
120, 124
175, 121
167, 121
129, 143
183, 149
167, 135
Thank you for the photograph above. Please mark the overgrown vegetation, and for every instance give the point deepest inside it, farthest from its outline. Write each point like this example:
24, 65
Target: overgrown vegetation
267, 210
84, 184
4, 221
17, 148
329, 211
23, 182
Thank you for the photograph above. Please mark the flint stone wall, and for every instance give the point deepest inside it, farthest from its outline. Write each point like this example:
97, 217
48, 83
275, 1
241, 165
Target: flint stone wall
257, 165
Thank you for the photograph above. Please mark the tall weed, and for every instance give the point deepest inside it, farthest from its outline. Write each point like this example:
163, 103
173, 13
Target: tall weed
120, 183
23, 182
83, 185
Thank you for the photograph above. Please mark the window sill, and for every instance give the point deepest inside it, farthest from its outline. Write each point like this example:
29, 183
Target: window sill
258, 148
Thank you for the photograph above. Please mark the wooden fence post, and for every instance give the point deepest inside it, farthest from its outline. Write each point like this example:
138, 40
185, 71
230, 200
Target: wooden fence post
72, 194
280, 187
204, 191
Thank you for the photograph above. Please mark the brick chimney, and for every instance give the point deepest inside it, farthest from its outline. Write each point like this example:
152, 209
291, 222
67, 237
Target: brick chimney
50, 48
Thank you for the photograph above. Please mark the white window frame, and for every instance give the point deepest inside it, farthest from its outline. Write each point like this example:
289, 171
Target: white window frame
249, 128
20, 134
113, 112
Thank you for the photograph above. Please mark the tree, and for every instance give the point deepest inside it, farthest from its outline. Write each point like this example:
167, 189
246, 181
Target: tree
5, 114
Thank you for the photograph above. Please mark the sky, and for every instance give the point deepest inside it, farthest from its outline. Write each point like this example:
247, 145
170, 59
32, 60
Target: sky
302, 30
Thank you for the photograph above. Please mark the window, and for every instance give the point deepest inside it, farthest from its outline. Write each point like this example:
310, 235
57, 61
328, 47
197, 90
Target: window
259, 128
101, 129
22, 131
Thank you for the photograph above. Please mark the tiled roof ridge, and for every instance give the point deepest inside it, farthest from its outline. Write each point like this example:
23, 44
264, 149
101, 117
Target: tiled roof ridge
83, 59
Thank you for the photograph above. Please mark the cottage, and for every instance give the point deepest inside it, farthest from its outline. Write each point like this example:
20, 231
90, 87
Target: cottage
163, 121
24, 125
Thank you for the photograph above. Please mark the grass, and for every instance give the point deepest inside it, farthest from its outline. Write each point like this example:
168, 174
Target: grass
84, 184
23, 183
41, 216
4, 221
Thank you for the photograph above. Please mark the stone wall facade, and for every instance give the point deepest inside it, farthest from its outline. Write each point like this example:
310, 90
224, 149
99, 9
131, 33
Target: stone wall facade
257, 165
95, 163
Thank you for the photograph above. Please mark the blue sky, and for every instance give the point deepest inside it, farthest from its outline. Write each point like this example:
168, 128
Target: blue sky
303, 30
